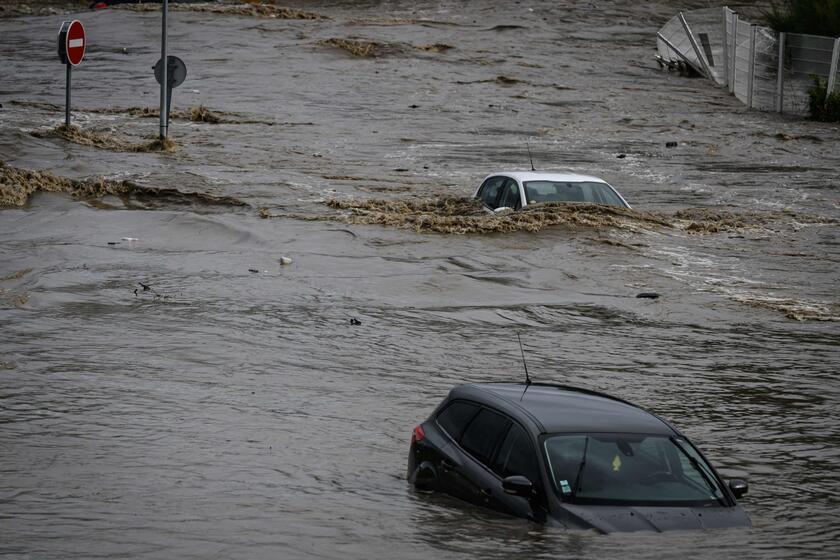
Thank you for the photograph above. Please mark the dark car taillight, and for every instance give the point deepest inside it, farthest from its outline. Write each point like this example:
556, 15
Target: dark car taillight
417, 434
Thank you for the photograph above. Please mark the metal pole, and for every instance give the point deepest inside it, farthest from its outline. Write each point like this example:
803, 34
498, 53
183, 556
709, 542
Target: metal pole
725, 47
703, 65
751, 74
67, 96
780, 78
164, 78
832, 74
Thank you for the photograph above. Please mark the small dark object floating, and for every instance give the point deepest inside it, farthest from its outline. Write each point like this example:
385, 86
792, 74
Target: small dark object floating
354, 321
670, 144
254, 270
145, 287
621, 156
112, 242
648, 295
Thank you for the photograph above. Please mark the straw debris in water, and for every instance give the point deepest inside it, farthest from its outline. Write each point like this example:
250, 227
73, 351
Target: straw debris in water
364, 49
712, 220
104, 140
467, 215
18, 185
253, 9
356, 48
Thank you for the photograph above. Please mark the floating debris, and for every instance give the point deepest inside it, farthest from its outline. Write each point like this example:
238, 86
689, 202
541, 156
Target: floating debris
255, 9
355, 322
372, 49
712, 220
104, 140
18, 185
15, 275
468, 215
284, 261
354, 47
648, 295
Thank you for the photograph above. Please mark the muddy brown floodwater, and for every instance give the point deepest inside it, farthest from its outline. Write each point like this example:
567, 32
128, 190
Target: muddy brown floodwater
231, 409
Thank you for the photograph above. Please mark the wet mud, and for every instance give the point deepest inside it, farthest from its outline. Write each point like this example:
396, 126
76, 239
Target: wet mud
17, 186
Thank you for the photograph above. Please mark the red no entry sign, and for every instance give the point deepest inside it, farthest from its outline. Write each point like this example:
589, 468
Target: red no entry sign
71, 42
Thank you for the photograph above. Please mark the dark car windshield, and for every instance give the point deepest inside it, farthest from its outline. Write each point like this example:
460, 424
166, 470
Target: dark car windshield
558, 191
630, 469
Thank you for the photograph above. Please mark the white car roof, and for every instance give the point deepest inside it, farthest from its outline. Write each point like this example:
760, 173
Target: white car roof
522, 176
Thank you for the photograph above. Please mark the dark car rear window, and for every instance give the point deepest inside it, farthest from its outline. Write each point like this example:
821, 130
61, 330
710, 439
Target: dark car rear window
455, 417
483, 433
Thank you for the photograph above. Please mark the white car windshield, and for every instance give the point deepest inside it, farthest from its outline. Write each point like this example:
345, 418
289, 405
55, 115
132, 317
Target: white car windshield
561, 191
630, 469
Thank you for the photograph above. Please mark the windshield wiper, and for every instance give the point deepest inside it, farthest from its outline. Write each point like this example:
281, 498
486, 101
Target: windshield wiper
714, 488
576, 487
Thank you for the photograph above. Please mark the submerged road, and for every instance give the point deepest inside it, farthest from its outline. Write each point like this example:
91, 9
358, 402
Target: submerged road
233, 409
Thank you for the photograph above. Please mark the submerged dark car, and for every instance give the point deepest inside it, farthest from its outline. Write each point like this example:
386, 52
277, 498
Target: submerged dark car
571, 457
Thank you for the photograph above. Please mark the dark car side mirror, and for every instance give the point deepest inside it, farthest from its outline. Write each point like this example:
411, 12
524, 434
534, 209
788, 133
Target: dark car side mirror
518, 485
739, 487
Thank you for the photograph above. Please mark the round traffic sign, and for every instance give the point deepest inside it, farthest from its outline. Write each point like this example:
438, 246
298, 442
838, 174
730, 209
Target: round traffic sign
72, 42
176, 71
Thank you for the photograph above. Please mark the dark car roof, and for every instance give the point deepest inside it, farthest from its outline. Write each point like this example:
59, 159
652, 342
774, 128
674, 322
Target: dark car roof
555, 408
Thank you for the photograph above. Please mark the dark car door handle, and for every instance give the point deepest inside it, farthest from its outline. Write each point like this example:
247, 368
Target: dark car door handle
447, 465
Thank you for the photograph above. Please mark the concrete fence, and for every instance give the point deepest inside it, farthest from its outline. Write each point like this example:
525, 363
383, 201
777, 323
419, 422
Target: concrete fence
764, 69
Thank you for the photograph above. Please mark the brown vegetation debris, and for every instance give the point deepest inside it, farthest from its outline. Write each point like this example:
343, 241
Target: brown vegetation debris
712, 220
364, 48
15, 275
435, 47
18, 185
467, 215
104, 140
355, 47
253, 9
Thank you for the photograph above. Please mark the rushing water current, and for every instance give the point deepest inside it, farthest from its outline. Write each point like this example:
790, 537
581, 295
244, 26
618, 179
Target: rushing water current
227, 408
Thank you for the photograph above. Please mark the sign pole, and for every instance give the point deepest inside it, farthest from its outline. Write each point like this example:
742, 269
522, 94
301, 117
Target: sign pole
164, 104
71, 50
67, 96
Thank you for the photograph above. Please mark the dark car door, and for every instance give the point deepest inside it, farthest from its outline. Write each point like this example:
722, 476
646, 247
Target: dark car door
517, 456
466, 474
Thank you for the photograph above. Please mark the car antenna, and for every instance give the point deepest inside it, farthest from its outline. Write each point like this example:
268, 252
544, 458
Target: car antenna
528, 143
525, 365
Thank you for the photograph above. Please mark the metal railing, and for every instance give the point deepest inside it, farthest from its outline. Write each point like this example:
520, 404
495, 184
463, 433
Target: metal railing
764, 69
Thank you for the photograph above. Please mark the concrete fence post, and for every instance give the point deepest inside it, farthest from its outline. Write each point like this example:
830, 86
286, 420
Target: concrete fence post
832, 75
751, 73
725, 46
780, 71
734, 48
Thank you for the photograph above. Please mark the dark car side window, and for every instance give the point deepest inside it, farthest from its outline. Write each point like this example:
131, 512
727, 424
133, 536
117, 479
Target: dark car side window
483, 433
455, 417
510, 195
489, 191
517, 456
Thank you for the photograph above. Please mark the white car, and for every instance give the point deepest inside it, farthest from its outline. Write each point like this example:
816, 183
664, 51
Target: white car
517, 189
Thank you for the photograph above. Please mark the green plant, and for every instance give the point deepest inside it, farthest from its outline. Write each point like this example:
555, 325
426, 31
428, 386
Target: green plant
816, 17
823, 107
